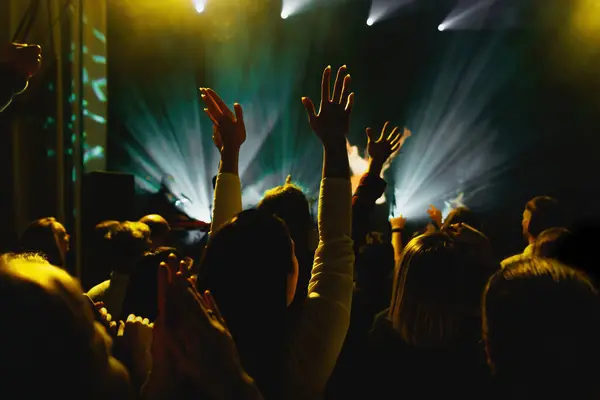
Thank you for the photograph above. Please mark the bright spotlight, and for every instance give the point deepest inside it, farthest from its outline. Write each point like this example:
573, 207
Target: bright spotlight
370, 21
284, 15
199, 6
441, 28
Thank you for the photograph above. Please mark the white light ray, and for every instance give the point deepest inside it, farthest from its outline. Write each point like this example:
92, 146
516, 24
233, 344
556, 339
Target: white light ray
463, 16
292, 7
381, 9
453, 146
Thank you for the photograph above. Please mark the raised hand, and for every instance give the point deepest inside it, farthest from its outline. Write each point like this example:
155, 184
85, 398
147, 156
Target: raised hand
398, 222
382, 145
133, 345
332, 123
191, 335
229, 132
435, 215
25, 58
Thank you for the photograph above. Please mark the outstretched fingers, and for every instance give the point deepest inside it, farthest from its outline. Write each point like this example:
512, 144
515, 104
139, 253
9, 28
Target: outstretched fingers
219, 102
326, 86
339, 85
310, 109
350, 103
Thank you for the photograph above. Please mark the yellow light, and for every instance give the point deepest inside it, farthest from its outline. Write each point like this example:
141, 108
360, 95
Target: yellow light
586, 19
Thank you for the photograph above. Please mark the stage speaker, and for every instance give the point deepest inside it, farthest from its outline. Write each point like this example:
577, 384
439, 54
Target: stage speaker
105, 196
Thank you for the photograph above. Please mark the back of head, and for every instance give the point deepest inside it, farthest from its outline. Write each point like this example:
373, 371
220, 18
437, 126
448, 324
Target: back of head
39, 237
125, 244
463, 215
437, 287
50, 347
549, 242
289, 203
245, 265
141, 297
375, 263
541, 327
159, 229
545, 213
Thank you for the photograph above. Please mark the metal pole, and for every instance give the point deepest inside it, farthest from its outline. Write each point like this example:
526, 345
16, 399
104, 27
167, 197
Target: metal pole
78, 128
60, 116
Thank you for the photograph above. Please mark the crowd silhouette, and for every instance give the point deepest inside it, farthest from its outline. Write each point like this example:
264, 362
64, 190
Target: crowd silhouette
280, 306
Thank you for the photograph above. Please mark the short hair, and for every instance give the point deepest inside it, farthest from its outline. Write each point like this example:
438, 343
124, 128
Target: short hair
546, 213
541, 323
39, 237
126, 242
159, 227
549, 243
437, 286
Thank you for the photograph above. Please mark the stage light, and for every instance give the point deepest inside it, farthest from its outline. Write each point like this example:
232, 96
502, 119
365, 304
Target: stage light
441, 27
284, 15
200, 5
452, 158
383, 9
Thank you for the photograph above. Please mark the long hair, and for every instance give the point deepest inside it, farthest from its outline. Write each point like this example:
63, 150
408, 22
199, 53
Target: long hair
40, 237
246, 265
437, 288
289, 203
541, 323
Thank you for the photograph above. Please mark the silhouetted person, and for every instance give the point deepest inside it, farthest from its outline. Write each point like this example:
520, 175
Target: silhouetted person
53, 348
429, 336
141, 297
540, 213
124, 246
289, 203
159, 229
48, 237
541, 324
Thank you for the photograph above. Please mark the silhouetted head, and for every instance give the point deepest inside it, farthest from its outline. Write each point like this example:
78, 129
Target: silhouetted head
159, 229
48, 237
541, 326
141, 296
542, 213
124, 245
549, 243
250, 267
438, 285
375, 265
53, 348
289, 203
463, 215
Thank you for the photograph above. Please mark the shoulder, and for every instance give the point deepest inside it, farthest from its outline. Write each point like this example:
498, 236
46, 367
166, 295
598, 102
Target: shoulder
97, 292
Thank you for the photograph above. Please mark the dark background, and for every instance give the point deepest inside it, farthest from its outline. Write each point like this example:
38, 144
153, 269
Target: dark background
546, 114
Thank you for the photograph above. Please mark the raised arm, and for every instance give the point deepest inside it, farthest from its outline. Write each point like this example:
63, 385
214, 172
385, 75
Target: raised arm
381, 146
18, 63
229, 133
320, 332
